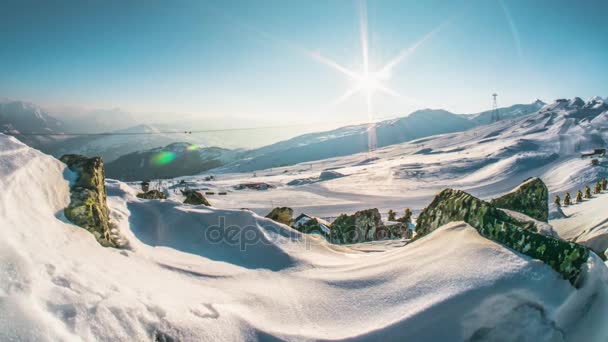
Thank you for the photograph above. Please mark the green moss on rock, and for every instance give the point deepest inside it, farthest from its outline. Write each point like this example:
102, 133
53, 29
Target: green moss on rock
282, 215
454, 205
88, 200
530, 198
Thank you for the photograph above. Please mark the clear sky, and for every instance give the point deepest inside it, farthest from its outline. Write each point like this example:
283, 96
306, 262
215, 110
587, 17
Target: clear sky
268, 60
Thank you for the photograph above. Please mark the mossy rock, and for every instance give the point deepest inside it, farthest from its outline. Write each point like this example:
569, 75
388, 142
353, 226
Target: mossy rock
363, 226
451, 205
313, 226
88, 200
530, 198
282, 215
195, 198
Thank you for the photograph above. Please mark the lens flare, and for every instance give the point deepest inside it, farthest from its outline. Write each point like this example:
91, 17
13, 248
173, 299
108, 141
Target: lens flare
192, 147
162, 158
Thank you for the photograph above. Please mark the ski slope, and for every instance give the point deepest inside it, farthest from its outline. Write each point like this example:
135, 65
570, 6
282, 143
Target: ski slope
58, 284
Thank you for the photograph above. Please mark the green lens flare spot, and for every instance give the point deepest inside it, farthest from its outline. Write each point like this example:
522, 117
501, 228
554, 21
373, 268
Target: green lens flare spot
162, 158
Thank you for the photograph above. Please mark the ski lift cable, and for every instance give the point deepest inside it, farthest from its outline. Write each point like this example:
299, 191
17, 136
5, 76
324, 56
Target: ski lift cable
219, 130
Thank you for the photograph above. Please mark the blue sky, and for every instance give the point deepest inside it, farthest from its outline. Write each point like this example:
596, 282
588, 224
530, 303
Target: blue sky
252, 59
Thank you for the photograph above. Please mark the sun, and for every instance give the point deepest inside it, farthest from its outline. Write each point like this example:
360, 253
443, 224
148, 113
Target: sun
368, 82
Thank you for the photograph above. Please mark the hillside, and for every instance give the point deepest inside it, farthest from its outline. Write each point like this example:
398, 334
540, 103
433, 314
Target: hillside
485, 161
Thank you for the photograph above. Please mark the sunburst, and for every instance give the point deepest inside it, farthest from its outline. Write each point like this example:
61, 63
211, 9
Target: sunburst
367, 82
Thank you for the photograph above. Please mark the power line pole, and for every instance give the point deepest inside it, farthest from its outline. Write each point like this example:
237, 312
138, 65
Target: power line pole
495, 113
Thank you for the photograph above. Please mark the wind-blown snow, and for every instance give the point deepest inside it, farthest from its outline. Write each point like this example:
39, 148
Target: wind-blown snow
57, 283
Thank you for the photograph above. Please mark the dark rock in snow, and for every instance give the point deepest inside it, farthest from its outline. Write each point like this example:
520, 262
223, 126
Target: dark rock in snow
454, 205
195, 198
530, 198
88, 207
365, 225
282, 215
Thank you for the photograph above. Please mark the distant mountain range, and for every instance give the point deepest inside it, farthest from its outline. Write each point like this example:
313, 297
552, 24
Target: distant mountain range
128, 156
354, 139
21, 117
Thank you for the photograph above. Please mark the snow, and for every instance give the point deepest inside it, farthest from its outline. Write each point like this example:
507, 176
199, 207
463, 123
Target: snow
58, 284
486, 161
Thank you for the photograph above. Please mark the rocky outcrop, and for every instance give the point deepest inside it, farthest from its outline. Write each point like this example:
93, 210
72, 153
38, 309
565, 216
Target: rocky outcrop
282, 215
195, 198
530, 198
454, 205
365, 225
152, 195
88, 207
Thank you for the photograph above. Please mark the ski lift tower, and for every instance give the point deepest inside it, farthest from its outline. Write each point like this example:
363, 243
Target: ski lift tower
495, 114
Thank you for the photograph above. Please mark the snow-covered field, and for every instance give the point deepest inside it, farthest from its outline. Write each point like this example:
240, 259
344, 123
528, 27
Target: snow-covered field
197, 273
486, 161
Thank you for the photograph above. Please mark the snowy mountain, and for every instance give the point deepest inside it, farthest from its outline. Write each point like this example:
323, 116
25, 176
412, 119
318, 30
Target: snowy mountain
486, 161
507, 112
355, 139
351, 139
96, 121
22, 117
178, 282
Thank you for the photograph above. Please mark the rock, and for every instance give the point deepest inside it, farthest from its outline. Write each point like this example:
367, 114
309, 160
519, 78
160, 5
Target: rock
313, 225
530, 198
195, 198
365, 225
282, 215
152, 195
454, 205
88, 207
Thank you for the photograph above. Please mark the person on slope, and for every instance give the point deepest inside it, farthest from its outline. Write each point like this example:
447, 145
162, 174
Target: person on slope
604, 183
587, 192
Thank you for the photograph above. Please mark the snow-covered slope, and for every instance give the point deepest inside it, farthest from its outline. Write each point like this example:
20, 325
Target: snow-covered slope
179, 281
511, 112
352, 139
485, 161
